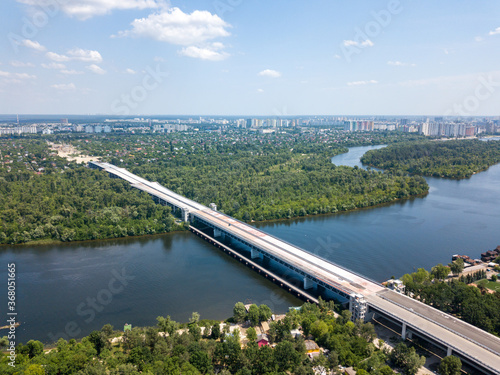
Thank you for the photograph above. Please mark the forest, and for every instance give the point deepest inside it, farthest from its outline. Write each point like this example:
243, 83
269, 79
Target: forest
455, 159
258, 177
203, 347
251, 176
68, 202
475, 305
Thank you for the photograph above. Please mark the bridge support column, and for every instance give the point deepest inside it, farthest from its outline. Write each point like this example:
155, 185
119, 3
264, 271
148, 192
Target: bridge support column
410, 335
218, 233
254, 253
308, 283
449, 351
185, 215
403, 332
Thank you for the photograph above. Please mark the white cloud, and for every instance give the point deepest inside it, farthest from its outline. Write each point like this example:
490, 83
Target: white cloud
84, 9
260, 91
360, 83
56, 57
71, 71
85, 55
478, 38
96, 69
20, 64
270, 73
130, 71
54, 66
353, 43
495, 32
399, 63
16, 75
24, 76
64, 86
176, 27
211, 52
77, 54
33, 45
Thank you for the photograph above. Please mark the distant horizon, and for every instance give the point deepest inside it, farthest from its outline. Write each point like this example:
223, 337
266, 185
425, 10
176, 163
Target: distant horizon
147, 116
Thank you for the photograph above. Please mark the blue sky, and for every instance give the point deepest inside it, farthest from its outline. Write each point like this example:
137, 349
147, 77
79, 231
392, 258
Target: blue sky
250, 57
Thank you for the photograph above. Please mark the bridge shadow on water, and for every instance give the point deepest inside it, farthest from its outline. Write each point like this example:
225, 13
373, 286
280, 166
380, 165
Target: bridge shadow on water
290, 276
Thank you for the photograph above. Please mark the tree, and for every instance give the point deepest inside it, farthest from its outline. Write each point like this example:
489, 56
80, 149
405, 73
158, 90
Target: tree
440, 272
4, 342
239, 312
195, 317
407, 359
285, 356
201, 361
98, 340
421, 276
107, 330
251, 334
457, 266
253, 315
34, 370
450, 365
319, 328
265, 313
215, 334
34, 348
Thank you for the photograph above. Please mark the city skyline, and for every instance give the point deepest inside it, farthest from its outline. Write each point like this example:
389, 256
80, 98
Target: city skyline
227, 57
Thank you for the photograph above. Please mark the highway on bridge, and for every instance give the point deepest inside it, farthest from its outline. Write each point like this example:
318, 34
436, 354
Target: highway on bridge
474, 344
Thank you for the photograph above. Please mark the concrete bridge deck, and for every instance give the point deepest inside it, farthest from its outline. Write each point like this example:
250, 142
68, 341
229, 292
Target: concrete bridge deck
473, 344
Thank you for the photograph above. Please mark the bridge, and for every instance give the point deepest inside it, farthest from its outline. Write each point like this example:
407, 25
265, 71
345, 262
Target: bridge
367, 299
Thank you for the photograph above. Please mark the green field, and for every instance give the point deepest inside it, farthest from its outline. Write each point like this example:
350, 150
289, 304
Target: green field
489, 284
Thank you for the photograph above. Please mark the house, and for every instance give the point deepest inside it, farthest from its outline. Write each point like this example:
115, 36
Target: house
311, 347
295, 333
262, 340
349, 371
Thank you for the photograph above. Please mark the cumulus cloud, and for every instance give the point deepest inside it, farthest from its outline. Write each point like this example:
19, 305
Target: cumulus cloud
64, 86
213, 52
260, 91
360, 83
270, 73
130, 71
96, 69
71, 71
399, 63
20, 64
84, 9
16, 75
495, 32
176, 27
33, 45
363, 44
54, 66
76, 54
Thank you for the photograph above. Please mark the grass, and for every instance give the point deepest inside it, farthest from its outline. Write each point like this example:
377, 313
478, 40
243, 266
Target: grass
492, 285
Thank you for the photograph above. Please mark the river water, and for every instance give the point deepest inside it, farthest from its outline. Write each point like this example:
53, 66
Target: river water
69, 290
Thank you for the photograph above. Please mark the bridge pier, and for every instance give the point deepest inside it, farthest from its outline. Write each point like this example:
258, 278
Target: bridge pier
308, 283
255, 253
403, 332
449, 351
218, 233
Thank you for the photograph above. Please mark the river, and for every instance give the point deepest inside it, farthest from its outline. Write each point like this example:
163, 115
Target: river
75, 288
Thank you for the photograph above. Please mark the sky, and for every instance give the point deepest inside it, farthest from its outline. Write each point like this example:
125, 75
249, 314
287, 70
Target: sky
250, 57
